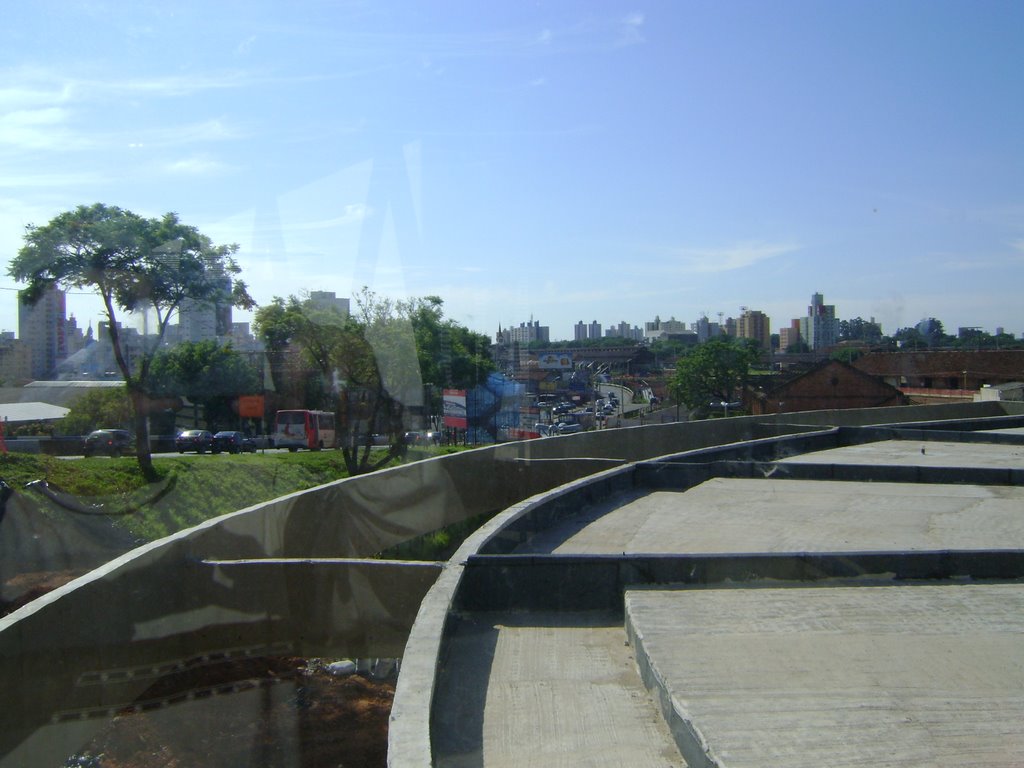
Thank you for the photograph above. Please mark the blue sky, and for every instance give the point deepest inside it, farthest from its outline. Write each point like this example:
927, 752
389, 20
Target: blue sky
567, 161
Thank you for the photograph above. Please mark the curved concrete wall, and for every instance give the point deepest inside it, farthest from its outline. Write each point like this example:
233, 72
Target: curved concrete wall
288, 572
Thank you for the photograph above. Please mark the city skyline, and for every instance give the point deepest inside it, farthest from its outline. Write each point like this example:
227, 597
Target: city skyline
563, 164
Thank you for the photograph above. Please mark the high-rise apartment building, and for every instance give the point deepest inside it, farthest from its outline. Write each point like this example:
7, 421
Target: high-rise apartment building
42, 327
205, 320
789, 336
756, 325
525, 333
820, 329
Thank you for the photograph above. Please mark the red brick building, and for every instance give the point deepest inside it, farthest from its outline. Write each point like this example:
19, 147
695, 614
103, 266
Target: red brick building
949, 369
830, 385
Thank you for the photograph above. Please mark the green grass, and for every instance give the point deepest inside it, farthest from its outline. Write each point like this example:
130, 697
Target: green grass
189, 489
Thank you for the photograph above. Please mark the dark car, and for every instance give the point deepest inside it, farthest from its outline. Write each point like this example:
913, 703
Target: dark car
233, 442
112, 442
198, 440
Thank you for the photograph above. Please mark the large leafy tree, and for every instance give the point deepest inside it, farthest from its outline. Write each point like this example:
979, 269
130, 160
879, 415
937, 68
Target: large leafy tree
107, 407
859, 329
134, 264
208, 374
715, 371
374, 364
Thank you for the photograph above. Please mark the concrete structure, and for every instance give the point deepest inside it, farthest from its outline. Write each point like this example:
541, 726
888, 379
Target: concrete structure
715, 568
298, 576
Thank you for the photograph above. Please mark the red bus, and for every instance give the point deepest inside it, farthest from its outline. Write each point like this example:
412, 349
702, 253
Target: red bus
304, 429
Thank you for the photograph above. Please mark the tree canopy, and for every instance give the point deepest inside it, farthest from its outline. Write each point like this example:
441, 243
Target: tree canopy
104, 408
372, 366
715, 371
134, 264
208, 374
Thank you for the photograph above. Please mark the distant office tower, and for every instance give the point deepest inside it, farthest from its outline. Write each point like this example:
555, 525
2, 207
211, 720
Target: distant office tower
594, 331
820, 329
705, 329
754, 324
525, 333
206, 320
579, 331
42, 327
327, 300
789, 336
15, 360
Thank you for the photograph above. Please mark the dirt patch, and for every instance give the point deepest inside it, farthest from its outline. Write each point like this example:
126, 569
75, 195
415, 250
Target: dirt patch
268, 712
26, 587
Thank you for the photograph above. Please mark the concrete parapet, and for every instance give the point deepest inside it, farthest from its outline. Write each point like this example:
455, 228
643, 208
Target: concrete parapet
246, 579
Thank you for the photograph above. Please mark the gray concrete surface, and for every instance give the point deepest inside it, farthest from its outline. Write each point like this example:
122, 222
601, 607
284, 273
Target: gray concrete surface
919, 454
917, 675
743, 516
547, 690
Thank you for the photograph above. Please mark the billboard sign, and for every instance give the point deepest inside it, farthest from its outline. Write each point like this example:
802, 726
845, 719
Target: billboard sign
549, 362
455, 408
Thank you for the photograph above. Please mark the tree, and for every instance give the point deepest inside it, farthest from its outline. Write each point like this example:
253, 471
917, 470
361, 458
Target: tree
107, 407
859, 329
846, 354
715, 371
208, 374
133, 264
373, 365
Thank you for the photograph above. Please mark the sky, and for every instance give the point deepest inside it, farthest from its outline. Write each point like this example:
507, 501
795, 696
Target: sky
556, 162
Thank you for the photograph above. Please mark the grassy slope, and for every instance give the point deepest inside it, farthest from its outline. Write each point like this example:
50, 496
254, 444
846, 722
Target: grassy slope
192, 488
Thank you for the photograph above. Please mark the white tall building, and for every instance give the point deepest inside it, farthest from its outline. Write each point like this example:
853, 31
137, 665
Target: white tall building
820, 329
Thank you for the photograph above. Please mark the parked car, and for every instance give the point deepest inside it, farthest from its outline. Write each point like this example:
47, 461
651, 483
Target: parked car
112, 442
233, 442
198, 440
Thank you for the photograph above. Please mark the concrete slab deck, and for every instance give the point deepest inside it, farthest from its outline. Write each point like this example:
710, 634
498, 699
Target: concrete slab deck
546, 690
919, 454
752, 516
879, 676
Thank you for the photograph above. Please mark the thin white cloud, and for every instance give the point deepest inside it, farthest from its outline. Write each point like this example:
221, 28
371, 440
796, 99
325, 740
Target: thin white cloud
245, 46
729, 258
195, 166
50, 180
351, 214
22, 97
206, 131
630, 30
33, 129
